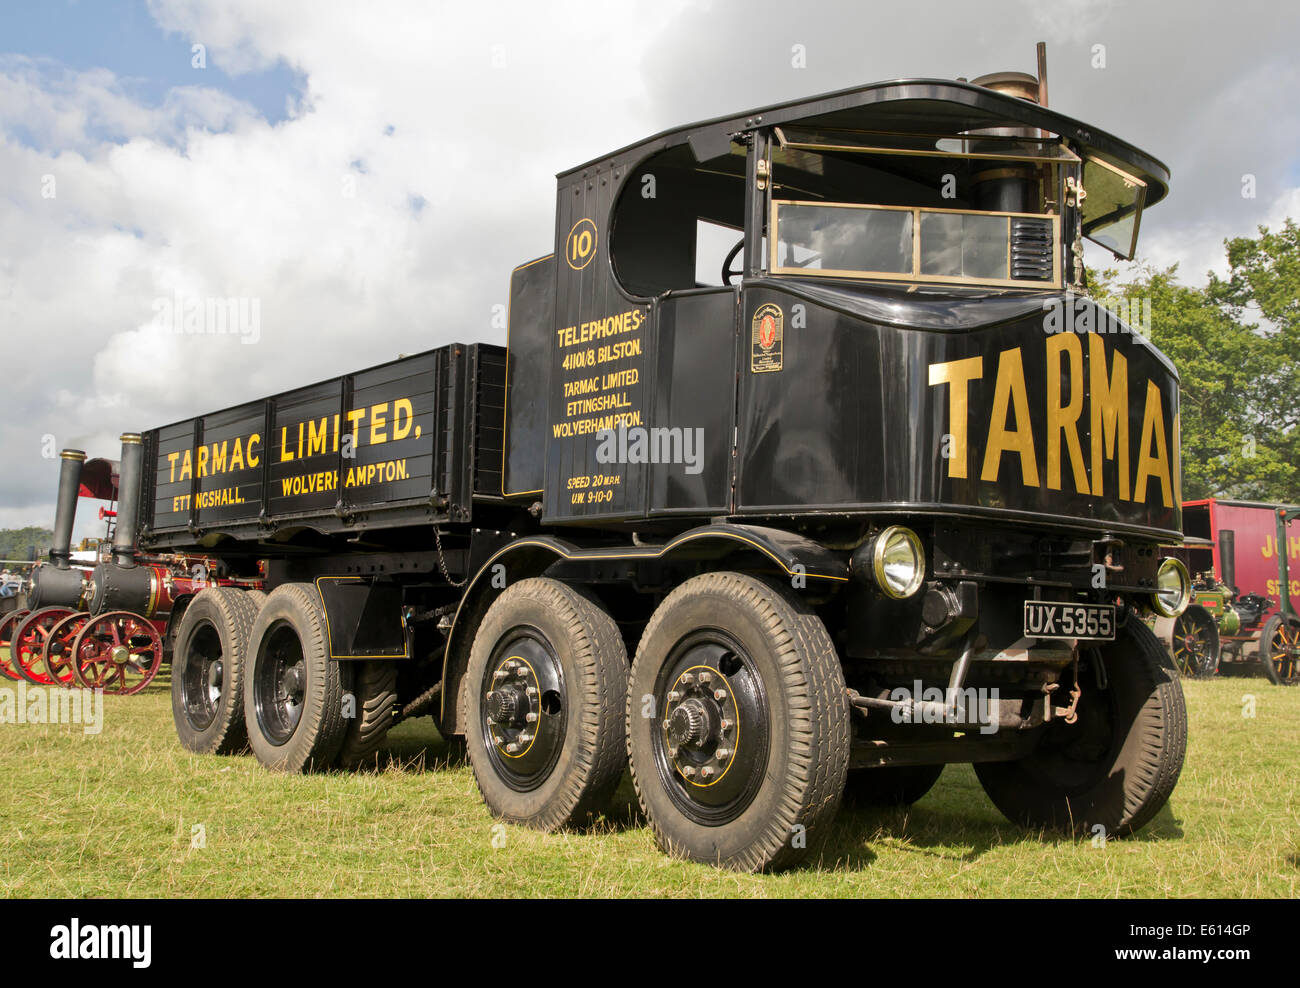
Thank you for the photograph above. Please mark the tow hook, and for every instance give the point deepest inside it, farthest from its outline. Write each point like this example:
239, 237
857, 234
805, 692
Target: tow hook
1069, 714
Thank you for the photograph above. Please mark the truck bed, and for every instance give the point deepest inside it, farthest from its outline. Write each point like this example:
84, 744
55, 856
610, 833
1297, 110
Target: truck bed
406, 443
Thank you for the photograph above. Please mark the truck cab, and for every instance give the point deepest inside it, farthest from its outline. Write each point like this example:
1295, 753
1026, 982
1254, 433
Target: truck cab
772, 285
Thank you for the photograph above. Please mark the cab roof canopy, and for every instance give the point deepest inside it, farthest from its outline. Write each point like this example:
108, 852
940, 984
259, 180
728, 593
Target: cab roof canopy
905, 106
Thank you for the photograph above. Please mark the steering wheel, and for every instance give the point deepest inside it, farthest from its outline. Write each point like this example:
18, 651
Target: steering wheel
727, 272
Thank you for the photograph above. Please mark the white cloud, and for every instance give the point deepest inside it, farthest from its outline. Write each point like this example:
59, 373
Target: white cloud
445, 126
470, 110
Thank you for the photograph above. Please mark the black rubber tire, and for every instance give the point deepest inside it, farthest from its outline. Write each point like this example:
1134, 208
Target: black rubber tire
899, 785
318, 733
1276, 676
593, 659
229, 613
1193, 665
807, 723
374, 691
1139, 738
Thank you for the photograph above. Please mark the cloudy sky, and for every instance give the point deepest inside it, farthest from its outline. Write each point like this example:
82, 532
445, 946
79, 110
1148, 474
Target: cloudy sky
370, 173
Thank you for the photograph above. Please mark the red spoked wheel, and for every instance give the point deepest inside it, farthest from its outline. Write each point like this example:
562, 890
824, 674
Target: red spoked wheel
117, 652
7, 625
58, 649
28, 644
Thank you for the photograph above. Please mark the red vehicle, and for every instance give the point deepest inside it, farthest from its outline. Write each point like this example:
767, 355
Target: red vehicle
1245, 565
83, 630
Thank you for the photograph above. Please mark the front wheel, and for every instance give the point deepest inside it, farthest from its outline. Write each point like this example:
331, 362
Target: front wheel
542, 705
737, 724
1195, 640
1117, 765
1279, 651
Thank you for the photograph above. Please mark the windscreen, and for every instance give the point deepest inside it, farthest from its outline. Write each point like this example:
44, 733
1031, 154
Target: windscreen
1112, 206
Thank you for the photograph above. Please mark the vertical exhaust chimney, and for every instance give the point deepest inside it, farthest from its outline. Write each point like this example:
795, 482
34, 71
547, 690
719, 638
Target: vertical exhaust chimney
56, 583
1228, 558
65, 509
1042, 73
128, 499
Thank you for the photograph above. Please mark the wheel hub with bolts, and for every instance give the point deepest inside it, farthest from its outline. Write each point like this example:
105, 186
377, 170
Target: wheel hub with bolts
701, 725
513, 707
523, 710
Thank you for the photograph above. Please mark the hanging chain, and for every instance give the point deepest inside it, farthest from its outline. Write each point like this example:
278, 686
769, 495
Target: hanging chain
442, 561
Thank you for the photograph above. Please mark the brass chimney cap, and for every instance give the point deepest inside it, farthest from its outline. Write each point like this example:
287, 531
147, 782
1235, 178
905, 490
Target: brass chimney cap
1020, 84
73, 454
131, 438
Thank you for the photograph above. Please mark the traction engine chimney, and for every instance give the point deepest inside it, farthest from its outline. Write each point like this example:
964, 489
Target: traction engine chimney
128, 500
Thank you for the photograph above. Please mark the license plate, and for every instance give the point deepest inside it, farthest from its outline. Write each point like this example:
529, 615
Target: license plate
1056, 619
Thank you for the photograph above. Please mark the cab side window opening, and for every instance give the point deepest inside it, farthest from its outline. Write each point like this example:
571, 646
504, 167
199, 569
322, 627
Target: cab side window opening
675, 220
713, 242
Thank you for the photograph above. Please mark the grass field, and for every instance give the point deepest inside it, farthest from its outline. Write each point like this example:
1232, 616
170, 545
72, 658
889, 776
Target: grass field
114, 814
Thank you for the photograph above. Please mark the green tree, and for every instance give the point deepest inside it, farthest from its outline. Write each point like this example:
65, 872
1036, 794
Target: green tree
1236, 344
16, 543
1262, 290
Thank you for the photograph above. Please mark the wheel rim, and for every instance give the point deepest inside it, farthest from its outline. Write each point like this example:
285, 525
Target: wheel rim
711, 742
1284, 654
118, 652
28, 644
59, 649
522, 708
204, 679
280, 683
1193, 646
8, 624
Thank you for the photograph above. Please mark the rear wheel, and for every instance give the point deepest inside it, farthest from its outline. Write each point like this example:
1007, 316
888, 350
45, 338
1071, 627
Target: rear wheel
542, 705
118, 652
293, 692
900, 785
8, 624
738, 724
208, 661
1195, 640
1279, 651
374, 702
1117, 765
60, 656
28, 644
